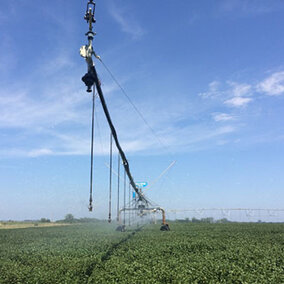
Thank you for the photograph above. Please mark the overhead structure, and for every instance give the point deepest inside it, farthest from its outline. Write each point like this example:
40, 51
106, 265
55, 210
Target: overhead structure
141, 204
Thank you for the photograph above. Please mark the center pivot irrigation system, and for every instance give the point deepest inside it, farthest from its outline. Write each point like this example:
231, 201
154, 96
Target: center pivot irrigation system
140, 204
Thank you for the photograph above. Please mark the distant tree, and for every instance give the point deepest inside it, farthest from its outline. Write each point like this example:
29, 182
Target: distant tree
223, 220
44, 220
69, 218
207, 220
195, 220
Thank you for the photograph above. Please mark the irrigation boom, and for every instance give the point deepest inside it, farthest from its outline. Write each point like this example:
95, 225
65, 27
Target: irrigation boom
92, 82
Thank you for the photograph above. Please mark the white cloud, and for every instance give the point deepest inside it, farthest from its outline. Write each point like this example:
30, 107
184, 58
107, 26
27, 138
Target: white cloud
39, 152
213, 91
222, 117
127, 24
232, 95
273, 85
233, 89
213, 86
57, 121
239, 90
241, 94
60, 125
25, 112
238, 101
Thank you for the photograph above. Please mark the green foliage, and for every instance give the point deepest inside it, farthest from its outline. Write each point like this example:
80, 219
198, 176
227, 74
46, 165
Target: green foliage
189, 253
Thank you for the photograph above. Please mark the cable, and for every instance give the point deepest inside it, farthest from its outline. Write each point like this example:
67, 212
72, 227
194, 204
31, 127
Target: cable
92, 152
162, 174
133, 105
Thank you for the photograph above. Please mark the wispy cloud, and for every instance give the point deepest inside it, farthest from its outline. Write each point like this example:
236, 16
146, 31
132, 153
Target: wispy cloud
127, 23
213, 90
240, 94
273, 85
60, 125
238, 101
222, 117
233, 94
57, 122
197, 137
23, 111
239, 89
39, 152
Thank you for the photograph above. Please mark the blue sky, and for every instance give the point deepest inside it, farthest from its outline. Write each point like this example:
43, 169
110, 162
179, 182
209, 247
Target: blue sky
208, 77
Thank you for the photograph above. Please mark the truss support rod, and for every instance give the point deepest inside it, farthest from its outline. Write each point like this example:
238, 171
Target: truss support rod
92, 154
110, 178
118, 184
124, 196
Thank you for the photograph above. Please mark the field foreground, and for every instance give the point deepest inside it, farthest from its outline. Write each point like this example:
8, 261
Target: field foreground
189, 253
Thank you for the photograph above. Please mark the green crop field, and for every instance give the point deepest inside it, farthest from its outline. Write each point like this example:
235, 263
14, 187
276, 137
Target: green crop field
189, 253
